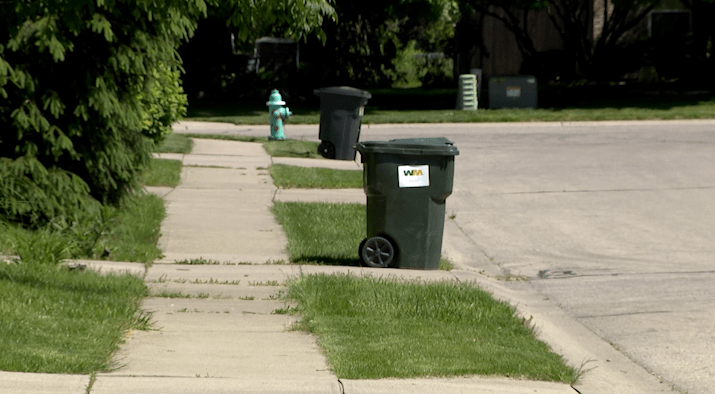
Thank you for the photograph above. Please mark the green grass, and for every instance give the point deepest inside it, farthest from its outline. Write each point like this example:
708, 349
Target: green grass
175, 143
59, 321
413, 329
227, 137
285, 176
44, 246
293, 148
127, 233
285, 148
703, 110
310, 117
556, 103
162, 172
134, 234
322, 233
445, 265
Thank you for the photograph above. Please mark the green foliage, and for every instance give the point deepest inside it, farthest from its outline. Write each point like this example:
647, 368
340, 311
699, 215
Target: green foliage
164, 103
71, 77
43, 246
213, 66
88, 230
289, 19
368, 35
127, 233
30, 193
414, 68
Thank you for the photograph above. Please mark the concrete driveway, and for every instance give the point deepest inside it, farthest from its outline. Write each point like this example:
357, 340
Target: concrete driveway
613, 221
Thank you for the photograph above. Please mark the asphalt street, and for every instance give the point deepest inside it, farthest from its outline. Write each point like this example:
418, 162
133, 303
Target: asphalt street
613, 221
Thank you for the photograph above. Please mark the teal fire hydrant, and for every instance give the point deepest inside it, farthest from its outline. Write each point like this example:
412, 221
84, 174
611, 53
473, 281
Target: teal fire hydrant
277, 113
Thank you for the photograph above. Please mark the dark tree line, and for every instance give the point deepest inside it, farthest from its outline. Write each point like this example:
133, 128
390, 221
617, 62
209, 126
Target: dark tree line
605, 51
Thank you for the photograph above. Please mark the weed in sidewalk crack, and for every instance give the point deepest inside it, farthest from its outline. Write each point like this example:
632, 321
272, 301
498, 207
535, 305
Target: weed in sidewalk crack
266, 283
278, 296
213, 281
288, 310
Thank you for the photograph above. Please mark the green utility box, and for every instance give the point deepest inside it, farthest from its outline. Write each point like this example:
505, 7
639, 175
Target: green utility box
407, 182
341, 111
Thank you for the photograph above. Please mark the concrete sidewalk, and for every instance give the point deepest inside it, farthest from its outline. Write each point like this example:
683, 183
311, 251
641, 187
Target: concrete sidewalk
231, 335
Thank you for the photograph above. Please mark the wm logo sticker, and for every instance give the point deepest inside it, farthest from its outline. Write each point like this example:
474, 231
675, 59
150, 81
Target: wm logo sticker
413, 176
414, 173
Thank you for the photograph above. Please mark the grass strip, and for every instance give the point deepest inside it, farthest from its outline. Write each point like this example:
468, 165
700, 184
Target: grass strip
287, 177
320, 233
307, 117
283, 148
135, 231
373, 328
175, 143
59, 321
293, 148
703, 110
161, 172
227, 137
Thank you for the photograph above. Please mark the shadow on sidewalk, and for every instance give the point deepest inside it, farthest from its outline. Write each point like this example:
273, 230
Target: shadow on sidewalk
322, 260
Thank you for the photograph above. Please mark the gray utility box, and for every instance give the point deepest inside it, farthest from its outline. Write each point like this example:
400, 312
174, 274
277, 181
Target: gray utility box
512, 92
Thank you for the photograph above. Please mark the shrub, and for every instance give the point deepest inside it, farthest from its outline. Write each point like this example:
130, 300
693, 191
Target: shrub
32, 194
74, 78
164, 103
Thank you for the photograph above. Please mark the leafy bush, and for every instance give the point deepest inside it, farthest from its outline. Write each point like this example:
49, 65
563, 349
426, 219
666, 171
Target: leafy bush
32, 194
44, 246
127, 233
164, 103
72, 76
415, 68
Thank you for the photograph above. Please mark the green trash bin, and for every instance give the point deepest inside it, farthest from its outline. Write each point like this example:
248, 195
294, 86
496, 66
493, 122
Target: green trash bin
341, 111
407, 182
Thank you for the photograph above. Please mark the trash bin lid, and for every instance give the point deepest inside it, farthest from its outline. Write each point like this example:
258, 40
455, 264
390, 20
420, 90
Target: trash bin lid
343, 91
433, 146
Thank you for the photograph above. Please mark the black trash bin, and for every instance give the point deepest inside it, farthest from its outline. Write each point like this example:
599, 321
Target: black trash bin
341, 111
407, 182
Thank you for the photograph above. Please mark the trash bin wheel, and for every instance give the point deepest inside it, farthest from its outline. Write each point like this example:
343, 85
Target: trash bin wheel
377, 252
362, 245
326, 149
